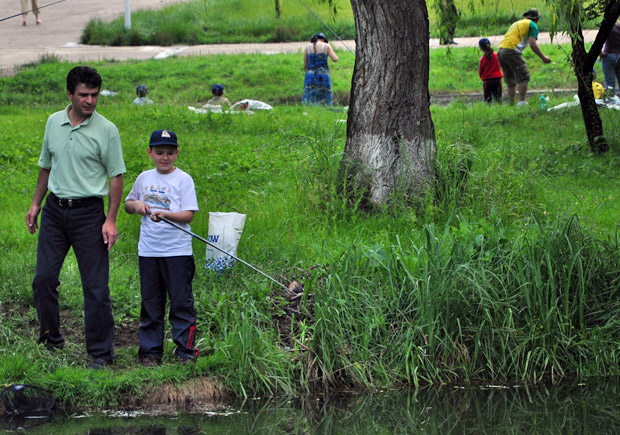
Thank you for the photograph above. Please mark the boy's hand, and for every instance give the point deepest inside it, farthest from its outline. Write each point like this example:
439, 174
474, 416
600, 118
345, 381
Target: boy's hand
155, 216
142, 208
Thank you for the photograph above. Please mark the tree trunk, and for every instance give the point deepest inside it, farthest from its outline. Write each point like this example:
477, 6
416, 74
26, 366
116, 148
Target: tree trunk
583, 65
278, 9
390, 146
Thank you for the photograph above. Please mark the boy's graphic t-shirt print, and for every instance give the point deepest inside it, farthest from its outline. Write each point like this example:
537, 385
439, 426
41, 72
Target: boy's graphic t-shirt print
156, 197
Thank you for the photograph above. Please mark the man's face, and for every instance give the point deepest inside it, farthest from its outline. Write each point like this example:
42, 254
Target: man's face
84, 100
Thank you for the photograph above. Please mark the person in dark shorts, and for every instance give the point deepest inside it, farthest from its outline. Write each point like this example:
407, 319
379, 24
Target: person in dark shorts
520, 34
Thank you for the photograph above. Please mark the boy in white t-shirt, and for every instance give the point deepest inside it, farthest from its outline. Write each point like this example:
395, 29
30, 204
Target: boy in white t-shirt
165, 254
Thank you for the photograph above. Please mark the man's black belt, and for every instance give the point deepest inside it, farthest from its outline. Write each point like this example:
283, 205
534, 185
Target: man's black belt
74, 203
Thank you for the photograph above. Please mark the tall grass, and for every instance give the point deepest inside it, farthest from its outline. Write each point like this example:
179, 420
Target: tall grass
274, 78
476, 301
235, 21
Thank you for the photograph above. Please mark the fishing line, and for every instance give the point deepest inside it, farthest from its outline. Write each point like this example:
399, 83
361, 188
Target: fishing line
31, 10
328, 28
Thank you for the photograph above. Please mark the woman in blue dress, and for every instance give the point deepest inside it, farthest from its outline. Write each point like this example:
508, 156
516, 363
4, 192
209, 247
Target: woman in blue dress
318, 83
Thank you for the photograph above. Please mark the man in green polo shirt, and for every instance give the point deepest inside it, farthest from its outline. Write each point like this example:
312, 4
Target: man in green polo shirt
521, 34
81, 162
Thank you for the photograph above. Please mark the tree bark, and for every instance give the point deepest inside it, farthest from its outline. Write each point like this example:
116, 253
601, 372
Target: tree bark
583, 63
390, 144
589, 110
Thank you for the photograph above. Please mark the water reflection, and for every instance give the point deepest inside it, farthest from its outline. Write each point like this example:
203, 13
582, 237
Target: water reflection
570, 408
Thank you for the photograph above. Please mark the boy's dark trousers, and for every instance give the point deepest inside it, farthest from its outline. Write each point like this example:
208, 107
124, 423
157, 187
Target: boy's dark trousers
172, 276
79, 227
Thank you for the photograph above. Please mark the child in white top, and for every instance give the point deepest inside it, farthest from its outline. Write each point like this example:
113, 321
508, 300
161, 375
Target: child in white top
165, 254
142, 92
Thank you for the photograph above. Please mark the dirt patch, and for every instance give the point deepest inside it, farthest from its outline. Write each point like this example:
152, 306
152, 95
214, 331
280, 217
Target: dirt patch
126, 333
195, 393
72, 325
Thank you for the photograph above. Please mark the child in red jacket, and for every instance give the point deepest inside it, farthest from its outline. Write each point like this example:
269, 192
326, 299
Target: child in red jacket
490, 72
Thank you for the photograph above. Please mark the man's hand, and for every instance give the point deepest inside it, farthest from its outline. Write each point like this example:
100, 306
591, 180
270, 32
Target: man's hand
110, 234
39, 192
545, 59
31, 219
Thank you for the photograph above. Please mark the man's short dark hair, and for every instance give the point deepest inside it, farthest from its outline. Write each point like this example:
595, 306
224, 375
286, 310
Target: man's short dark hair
532, 14
83, 74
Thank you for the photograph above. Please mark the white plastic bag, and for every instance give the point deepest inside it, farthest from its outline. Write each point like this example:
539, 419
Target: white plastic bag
224, 232
250, 105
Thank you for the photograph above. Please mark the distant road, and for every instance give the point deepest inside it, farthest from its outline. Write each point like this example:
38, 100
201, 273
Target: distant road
62, 24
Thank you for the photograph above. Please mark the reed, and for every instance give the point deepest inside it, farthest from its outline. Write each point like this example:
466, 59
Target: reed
472, 304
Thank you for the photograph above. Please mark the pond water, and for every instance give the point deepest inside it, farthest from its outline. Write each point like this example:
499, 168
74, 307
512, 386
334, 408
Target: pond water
589, 407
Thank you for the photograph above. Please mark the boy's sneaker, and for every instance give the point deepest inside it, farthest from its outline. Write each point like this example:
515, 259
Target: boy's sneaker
186, 361
149, 361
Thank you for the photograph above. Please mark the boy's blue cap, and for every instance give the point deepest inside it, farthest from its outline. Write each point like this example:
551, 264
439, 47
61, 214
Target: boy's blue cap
163, 137
484, 42
217, 89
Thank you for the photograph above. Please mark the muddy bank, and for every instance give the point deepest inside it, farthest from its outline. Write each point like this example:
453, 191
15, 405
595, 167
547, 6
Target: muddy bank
193, 394
445, 98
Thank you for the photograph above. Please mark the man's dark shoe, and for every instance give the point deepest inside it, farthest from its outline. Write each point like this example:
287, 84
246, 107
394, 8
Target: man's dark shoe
52, 347
100, 363
149, 361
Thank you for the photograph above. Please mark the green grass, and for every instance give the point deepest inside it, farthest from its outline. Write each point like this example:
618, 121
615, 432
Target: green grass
508, 272
238, 21
216, 21
274, 78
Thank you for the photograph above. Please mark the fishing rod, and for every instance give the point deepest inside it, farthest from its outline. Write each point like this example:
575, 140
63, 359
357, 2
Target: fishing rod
202, 239
31, 10
328, 28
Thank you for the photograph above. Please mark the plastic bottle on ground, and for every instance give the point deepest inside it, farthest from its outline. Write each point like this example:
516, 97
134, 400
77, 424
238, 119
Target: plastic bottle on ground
542, 103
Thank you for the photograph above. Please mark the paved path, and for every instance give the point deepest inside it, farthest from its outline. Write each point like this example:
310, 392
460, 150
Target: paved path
63, 22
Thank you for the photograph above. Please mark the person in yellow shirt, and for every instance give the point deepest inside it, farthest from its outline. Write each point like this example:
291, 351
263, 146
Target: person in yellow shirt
520, 34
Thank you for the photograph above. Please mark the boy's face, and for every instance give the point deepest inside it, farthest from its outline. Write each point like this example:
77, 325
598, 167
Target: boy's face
164, 156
